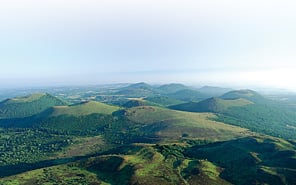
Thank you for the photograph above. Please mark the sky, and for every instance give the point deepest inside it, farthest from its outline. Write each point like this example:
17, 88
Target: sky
214, 42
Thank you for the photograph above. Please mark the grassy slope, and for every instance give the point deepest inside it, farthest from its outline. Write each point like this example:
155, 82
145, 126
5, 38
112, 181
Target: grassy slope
235, 103
265, 117
138, 102
212, 105
60, 174
164, 101
137, 90
250, 160
173, 124
246, 94
145, 165
86, 108
88, 118
82, 146
258, 159
25, 99
94, 118
271, 120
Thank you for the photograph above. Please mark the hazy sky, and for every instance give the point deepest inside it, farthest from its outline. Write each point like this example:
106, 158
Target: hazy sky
56, 42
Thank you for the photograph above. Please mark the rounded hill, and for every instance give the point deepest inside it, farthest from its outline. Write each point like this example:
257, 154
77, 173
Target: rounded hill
84, 108
212, 105
170, 124
26, 106
246, 94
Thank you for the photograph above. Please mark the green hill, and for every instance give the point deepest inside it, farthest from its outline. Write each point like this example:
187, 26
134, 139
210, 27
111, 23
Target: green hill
169, 124
171, 88
138, 102
266, 118
21, 107
139, 123
137, 90
188, 95
212, 105
262, 118
250, 160
246, 94
140, 165
87, 118
140, 85
85, 108
97, 143
134, 103
164, 101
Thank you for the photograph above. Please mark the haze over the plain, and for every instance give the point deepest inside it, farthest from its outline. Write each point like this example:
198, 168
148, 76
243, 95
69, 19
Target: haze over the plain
56, 42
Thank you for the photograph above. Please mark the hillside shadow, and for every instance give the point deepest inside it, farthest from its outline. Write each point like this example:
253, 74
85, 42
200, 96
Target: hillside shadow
10, 170
247, 160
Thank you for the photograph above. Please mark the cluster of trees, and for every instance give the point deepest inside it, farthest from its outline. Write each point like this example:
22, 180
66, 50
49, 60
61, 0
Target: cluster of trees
86, 125
171, 150
29, 145
263, 119
25, 108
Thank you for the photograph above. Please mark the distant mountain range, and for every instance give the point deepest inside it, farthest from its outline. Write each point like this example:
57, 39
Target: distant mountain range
174, 90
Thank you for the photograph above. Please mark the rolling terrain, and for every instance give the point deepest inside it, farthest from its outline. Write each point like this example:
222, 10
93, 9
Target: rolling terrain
173, 125
170, 134
258, 159
248, 109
